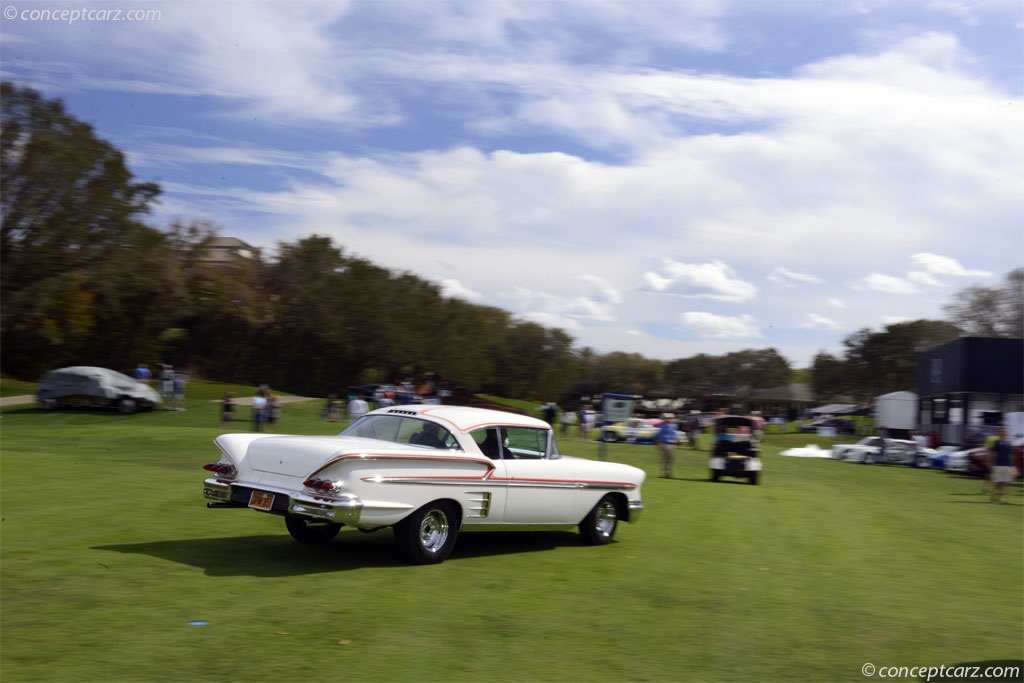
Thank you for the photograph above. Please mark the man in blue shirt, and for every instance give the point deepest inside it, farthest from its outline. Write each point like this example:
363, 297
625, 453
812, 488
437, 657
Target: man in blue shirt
142, 373
666, 441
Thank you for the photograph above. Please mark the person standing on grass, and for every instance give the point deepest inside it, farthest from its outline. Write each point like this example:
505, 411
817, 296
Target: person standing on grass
568, 419
1000, 466
920, 444
227, 408
357, 407
259, 410
273, 410
666, 441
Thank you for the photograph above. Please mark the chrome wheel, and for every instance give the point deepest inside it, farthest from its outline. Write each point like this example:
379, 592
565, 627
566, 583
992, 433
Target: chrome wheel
428, 535
598, 527
606, 519
434, 530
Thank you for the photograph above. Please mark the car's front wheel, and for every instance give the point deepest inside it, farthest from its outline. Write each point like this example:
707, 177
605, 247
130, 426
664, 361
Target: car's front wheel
127, 406
599, 526
609, 436
428, 535
310, 532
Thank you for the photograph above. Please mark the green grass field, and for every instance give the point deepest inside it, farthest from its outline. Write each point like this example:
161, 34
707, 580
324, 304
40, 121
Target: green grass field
110, 557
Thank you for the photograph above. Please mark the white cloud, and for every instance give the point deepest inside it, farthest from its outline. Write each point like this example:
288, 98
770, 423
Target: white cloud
713, 326
604, 291
944, 265
453, 289
918, 281
541, 153
712, 280
537, 305
889, 284
786, 277
820, 322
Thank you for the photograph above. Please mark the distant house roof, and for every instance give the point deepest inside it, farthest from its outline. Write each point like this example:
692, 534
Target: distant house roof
228, 249
791, 393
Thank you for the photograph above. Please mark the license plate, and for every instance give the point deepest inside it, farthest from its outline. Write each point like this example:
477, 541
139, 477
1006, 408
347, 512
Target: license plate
261, 500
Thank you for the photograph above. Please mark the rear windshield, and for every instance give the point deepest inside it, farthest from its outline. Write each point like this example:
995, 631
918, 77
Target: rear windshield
403, 430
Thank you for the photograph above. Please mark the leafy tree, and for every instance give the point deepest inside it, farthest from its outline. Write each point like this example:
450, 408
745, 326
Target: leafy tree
991, 311
830, 377
225, 305
886, 361
82, 280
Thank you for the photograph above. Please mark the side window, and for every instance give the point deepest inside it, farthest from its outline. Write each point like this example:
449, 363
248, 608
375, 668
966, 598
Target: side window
428, 435
489, 440
527, 443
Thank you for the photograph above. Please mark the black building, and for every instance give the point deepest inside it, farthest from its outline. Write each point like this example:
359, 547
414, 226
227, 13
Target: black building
967, 385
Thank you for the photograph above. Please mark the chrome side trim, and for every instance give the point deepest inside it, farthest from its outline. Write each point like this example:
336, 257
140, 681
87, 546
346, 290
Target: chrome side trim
479, 505
506, 483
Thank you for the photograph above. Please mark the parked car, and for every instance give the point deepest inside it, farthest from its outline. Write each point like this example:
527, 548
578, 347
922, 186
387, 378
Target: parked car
942, 458
633, 429
736, 452
83, 385
896, 452
427, 471
977, 460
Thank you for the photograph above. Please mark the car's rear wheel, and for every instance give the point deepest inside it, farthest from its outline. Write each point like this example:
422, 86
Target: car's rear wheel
609, 436
428, 535
309, 532
755, 477
715, 474
599, 526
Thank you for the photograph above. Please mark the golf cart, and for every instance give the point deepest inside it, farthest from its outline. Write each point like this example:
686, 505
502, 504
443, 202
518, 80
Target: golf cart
736, 452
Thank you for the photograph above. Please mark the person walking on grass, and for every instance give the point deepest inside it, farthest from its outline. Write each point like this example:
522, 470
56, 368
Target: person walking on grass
666, 441
1000, 466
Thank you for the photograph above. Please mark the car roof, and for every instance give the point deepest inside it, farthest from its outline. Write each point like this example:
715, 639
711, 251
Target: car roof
464, 418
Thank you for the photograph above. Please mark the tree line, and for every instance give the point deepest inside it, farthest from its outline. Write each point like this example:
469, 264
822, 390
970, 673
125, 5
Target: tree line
85, 280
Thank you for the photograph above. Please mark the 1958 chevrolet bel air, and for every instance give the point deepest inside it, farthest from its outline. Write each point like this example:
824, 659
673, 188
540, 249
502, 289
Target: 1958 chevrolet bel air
427, 471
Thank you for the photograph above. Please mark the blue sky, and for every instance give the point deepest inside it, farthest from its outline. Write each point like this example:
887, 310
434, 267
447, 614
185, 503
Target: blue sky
663, 177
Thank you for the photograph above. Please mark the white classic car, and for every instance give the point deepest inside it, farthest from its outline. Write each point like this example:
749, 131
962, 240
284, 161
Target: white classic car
427, 471
897, 452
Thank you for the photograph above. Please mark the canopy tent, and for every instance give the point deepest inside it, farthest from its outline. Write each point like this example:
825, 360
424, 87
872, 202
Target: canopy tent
836, 409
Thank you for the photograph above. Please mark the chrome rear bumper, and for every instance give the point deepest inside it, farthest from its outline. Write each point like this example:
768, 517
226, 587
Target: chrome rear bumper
344, 510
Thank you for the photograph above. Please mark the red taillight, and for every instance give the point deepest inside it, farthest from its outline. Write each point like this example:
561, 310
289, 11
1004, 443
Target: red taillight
221, 468
325, 485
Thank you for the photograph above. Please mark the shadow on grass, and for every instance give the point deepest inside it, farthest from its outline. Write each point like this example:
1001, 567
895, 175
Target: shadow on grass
706, 480
274, 556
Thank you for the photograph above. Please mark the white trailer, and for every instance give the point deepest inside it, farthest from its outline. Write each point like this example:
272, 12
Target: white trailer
896, 411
